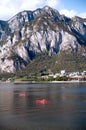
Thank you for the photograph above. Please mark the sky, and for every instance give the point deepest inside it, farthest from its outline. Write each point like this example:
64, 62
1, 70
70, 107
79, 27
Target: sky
70, 8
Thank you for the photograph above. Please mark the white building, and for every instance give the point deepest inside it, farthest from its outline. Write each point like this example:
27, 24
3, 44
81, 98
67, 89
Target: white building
84, 72
63, 72
74, 74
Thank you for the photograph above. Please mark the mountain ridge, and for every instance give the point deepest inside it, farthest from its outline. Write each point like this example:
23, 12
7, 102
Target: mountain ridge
41, 31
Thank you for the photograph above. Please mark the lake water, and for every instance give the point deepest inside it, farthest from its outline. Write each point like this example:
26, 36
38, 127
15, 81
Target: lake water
66, 111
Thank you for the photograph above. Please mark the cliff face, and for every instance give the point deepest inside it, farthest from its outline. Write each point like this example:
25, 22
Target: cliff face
39, 31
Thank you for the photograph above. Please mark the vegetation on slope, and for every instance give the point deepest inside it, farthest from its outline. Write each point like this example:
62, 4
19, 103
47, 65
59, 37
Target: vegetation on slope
44, 64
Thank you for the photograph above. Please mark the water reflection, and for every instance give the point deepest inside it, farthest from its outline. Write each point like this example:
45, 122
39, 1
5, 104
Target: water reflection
67, 109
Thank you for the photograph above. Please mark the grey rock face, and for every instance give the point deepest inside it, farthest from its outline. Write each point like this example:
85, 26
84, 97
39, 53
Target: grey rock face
39, 31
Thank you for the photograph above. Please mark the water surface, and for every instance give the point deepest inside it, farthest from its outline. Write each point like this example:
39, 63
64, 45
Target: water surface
66, 111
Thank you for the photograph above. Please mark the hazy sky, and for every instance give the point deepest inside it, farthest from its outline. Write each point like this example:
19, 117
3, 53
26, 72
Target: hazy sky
70, 8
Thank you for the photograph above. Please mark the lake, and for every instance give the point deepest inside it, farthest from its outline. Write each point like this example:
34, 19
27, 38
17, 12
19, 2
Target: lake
66, 110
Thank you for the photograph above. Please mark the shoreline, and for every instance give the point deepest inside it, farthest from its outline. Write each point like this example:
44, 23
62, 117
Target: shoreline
35, 82
41, 82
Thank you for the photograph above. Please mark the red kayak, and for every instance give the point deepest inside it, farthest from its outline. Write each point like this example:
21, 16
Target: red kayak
23, 95
42, 101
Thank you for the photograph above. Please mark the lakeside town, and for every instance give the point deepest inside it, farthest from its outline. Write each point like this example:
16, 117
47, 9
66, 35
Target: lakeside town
67, 76
61, 76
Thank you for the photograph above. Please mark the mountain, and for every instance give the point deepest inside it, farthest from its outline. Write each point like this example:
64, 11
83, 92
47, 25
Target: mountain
44, 30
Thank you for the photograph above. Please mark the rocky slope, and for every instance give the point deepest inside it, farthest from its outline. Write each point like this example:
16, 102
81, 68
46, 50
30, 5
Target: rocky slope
39, 31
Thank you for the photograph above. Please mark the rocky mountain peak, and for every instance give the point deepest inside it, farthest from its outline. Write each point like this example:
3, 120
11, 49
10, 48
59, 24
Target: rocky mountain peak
47, 8
43, 30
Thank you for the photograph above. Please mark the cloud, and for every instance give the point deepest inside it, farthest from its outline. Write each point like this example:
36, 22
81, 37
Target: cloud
83, 15
72, 13
52, 3
68, 13
9, 8
27, 4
